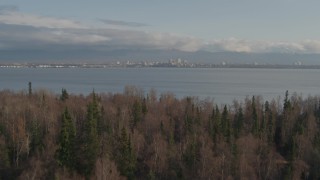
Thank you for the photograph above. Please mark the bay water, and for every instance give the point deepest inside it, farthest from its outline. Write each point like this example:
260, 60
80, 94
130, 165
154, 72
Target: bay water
223, 85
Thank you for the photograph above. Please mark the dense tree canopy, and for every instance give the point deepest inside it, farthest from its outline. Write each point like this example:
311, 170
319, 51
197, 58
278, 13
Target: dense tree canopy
136, 136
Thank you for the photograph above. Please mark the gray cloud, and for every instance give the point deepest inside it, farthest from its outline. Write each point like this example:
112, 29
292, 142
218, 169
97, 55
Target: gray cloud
122, 23
27, 31
29, 37
20, 30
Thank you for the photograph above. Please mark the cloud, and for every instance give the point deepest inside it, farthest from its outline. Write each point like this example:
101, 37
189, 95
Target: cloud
27, 31
241, 45
231, 44
23, 31
10, 16
311, 46
122, 23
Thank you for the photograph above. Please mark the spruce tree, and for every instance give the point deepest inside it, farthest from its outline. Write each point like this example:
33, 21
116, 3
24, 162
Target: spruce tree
136, 114
125, 157
225, 123
97, 114
188, 124
238, 123
88, 142
144, 107
64, 95
217, 120
215, 124
66, 151
286, 103
263, 126
37, 134
29, 88
255, 125
283, 130
269, 123
191, 156
4, 153
211, 129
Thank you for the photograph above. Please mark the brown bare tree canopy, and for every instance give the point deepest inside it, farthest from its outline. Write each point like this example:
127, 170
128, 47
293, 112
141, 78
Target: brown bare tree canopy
148, 136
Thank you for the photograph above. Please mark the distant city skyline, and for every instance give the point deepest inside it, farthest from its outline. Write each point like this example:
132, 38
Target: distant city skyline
274, 26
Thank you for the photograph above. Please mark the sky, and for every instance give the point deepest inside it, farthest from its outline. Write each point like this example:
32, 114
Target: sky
258, 26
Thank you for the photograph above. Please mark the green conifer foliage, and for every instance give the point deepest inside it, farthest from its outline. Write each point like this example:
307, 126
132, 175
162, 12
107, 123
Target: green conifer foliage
263, 125
211, 125
30, 88
4, 153
270, 126
88, 141
64, 95
283, 132
136, 113
188, 124
215, 124
225, 123
286, 104
144, 106
126, 157
217, 118
255, 125
191, 156
238, 123
97, 114
37, 134
65, 154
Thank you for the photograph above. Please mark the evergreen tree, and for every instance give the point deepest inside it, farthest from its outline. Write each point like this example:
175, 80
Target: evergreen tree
37, 134
162, 128
4, 153
269, 123
217, 120
216, 124
211, 129
286, 103
64, 95
177, 132
136, 114
144, 107
65, 154
255, 125
29, 88
316, 142
97, 114
317, 112
234, 159
125, 157
283, 131
263, 127
291, 153
88, 142
291, 148
191, 156
225, 123
188, 124
189, 117
238, 123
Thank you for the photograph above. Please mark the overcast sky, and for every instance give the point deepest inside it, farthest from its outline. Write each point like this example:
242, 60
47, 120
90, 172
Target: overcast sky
187, 25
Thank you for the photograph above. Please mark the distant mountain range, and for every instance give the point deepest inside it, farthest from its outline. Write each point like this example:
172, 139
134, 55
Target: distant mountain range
90, 56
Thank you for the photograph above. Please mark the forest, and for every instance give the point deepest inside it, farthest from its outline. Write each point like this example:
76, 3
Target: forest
145, 135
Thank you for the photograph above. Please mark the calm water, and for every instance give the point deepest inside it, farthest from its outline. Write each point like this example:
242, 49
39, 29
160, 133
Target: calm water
223, 85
